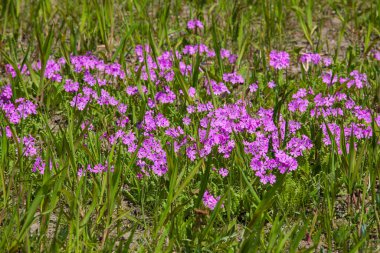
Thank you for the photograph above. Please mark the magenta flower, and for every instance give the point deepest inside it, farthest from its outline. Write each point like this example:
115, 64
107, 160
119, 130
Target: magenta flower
359, 80
192, 92
376, 55
217, 88
233, 78
253, 87
271, 84
210, 201
151, 155
8, 132
300, 93
29, 148
377, 120
327, 61
21, 109
193, 24
298, 104
310, 58
224, 53
39, 165
6, 93
81, 172
223, 172
80, 101
329, 79
185, 69
166, 97
279, 59
10, 70
71, 86
186, 121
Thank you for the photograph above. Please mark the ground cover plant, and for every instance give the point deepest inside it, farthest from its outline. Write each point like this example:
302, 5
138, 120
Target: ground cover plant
171, 126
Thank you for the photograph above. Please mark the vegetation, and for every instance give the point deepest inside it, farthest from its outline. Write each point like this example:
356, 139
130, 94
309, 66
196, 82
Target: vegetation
182, 126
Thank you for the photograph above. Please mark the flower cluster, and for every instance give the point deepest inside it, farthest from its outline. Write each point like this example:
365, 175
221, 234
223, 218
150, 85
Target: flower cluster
20, 109
210, 201
156, 104
310, 58
279, 59
193, 24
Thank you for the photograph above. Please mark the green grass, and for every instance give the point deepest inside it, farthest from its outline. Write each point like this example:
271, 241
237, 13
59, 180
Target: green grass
329, 204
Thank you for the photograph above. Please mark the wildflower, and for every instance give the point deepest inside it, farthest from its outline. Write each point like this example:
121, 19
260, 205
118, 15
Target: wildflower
8, 132
185, 69
174, 132
232, 59
271, 84
298, 104
190, 109
376, 55
80, 172
310, 58
122, 108
217, 88
165, 97
164, 61
233, 78
39, 165
52, 70
191, 152
210, 201
71, 86
190, 50
151, 103
300, 93
29, 146
211, 53
329, 79
253, 87
377, 120
359, 80
152, 151
186, 121
6, 93
80, 101
89, 79
327, 61
193, 24
161, 121
10, 70
279, 59
192, 91
223, 172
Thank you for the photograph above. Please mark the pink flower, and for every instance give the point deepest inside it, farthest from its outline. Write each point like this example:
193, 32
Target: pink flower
376, 55
193, 24
80, 101
29, 146
223, 172
279, 59
186, 121
192, 92
39, 165
327, 61
71, 86
210, 201
253, 87
310, 58
233, 78
271, 84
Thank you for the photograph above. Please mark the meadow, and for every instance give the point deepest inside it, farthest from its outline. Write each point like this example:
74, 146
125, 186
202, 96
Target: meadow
189, 126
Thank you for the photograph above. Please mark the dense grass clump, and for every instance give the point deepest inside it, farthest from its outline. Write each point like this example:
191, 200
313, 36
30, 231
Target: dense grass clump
170, 126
